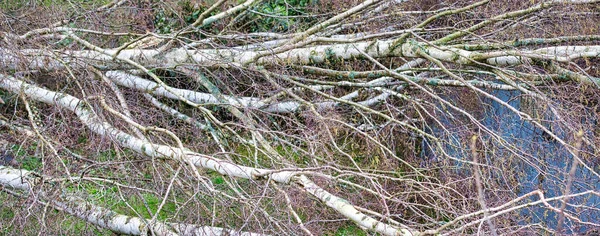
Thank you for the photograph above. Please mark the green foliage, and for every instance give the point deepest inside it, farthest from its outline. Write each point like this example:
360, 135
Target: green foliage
278, 15
67, 41
192, 11
194, 16
166, 22
163, 23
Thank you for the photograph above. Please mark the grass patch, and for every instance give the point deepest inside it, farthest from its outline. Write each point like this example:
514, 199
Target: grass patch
55, 222
109, 197
246, 156
80, 227
28, 161
348, 230
108, 155
151, 202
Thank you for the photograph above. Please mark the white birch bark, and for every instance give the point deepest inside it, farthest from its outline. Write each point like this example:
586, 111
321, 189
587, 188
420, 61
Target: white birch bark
40, 59
349, 211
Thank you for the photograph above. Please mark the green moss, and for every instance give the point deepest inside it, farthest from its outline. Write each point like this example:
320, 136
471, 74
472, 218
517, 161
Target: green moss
374, 75
455, 56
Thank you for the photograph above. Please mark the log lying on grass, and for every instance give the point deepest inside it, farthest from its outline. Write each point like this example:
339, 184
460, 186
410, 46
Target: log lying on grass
24, 181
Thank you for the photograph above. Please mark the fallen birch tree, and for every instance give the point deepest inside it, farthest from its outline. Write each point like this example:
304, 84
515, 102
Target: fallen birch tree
280, 117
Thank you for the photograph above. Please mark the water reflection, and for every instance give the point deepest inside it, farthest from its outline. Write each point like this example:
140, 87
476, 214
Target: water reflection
537, 161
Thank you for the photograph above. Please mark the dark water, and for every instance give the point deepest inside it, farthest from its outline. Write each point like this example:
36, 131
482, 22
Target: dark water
542, 163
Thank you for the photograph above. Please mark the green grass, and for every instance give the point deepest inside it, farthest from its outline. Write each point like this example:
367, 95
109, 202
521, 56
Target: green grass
80, 227
6, 215
14, 5
246, 156
109, 197
108, 155
349, 230
55, 221
153, 202
28, 162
